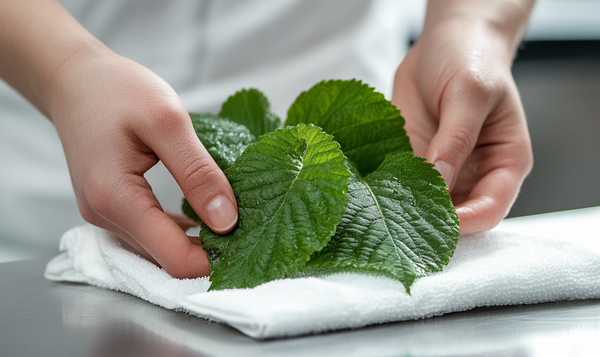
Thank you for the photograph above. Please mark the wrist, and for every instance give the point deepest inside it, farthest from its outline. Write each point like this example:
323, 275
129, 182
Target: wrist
58, 82
501, 23
39, 39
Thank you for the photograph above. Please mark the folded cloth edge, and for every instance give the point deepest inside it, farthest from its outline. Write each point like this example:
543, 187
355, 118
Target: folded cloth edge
84, 261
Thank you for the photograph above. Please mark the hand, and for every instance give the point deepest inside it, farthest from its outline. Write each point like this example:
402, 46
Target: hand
463, 113
116, 119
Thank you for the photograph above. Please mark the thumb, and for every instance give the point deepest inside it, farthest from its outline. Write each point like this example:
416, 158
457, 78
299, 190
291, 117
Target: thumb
200, 178
457, 135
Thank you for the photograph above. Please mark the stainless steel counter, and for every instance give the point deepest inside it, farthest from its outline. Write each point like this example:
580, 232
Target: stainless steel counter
43, 318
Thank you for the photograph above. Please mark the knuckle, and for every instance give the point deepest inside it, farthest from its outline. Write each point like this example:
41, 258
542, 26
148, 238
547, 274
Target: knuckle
161, 116
94, 195
89, 215
178, 271
202, 176
99, 194
462, 140
480, 85
519, 156
191, 265
526, 161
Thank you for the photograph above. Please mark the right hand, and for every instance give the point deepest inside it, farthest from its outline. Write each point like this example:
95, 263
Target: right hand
462, 108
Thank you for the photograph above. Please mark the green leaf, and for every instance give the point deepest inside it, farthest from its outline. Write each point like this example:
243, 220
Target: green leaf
225, 140
252, 109
290, 188
187, 209
367, 126
399, 221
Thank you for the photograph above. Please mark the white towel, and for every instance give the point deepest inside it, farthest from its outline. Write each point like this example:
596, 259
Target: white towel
487, 269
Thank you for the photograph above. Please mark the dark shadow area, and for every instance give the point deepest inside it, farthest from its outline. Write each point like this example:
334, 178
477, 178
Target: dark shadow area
559, 82
558, 50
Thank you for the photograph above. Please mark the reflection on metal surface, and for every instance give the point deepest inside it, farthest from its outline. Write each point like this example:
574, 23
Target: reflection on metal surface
125, 339
504, 331
579, 341
41, 318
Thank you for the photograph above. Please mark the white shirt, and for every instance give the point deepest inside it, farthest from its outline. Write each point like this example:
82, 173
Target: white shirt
206, 50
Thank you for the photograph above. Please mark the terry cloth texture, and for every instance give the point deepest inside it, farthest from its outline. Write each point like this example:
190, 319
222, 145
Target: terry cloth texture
488, 269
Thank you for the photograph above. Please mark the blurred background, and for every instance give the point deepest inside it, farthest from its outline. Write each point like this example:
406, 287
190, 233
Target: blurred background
557, 71
559, 82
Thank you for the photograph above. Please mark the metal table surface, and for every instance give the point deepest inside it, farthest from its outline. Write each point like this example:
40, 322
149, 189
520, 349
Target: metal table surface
43, 318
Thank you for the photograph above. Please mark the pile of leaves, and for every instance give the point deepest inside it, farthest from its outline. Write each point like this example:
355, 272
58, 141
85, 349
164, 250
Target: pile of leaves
337, 188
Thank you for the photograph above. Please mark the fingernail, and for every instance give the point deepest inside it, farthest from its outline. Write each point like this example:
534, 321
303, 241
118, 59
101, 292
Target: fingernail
446, 170
221, 214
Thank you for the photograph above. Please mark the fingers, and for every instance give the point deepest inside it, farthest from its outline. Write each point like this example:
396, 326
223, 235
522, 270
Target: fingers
166, 242
167, 132
134, 214
498, 172
482, 149
464, 108
489, 202
203, 183
92, 217
113, 132
182, 220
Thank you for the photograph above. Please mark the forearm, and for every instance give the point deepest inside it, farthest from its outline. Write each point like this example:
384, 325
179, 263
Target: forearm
39, 40
501, 21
